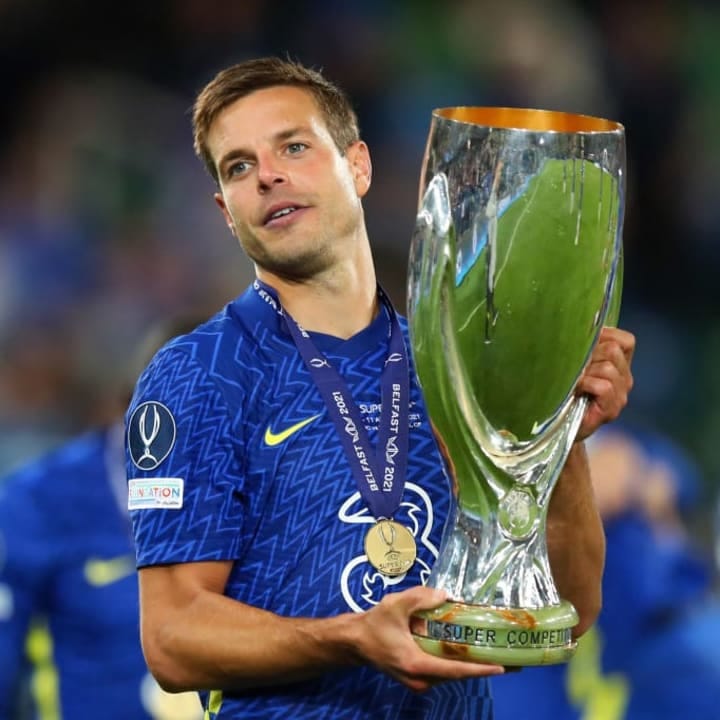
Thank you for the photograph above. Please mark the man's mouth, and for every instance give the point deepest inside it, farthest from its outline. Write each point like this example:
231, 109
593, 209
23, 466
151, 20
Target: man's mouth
280, 213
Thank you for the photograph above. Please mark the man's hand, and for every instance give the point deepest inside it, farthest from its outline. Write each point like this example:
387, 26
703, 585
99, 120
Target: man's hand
607, 379
385, 641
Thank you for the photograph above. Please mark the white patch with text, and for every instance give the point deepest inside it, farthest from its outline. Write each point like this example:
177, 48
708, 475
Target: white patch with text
155, 493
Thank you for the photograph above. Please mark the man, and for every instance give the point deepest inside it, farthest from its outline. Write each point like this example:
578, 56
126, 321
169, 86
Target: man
256, 507
68, 586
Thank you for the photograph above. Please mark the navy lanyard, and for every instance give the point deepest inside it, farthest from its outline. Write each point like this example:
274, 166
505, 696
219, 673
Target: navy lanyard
380, 474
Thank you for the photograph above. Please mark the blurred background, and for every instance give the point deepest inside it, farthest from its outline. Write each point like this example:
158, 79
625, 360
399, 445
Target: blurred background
107, 223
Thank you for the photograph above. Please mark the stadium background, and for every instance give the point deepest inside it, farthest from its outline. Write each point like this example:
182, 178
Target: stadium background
107, 222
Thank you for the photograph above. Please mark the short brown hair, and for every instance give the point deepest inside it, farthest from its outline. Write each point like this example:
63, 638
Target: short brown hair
244, 78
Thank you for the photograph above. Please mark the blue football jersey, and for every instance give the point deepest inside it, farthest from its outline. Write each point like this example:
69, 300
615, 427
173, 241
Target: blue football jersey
232, 456
66, 555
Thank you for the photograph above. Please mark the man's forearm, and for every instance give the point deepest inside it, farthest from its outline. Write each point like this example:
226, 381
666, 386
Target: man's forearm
213, 642
217, 642
576, 540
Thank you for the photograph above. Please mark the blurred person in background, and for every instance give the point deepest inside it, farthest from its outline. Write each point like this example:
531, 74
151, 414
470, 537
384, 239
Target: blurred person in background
253, 476
94, 247
654, 653
68, 586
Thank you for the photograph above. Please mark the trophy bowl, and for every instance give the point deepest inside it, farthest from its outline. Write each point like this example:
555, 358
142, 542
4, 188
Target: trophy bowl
515, 266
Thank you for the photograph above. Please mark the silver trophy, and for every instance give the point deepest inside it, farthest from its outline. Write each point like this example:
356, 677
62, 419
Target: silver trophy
515, 266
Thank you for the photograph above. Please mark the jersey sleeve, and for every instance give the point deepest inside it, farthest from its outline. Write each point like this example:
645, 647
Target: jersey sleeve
184, 462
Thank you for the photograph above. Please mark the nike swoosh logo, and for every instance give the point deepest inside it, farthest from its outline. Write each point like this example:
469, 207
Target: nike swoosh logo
100, 573
273, 439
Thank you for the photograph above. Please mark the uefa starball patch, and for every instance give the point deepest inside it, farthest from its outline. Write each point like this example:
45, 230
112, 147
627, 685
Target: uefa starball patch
151, 434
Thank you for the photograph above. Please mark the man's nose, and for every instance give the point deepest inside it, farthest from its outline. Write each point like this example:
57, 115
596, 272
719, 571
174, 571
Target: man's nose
270, 172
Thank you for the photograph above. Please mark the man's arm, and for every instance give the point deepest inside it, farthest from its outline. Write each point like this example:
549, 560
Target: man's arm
576, 540
575, 536
193, 637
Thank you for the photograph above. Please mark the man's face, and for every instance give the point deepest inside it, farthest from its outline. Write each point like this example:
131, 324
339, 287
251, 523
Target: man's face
286, 192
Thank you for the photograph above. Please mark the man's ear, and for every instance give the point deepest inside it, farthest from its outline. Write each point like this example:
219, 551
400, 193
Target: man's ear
358, 156
220, 202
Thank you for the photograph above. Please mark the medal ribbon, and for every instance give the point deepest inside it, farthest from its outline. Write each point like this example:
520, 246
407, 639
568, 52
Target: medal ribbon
380, 475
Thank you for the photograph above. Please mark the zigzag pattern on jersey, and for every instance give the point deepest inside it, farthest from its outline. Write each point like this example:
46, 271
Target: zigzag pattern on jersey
363, 693
300, 545
207, 527
366, 695
469, 700
276, 509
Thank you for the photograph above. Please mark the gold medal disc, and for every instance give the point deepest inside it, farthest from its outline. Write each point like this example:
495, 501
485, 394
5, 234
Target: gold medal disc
390, 548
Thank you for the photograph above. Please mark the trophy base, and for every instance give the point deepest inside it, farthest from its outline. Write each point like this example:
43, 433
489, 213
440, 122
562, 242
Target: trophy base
497, 635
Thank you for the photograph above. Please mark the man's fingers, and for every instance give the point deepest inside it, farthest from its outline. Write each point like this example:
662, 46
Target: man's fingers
611, 351
607, 398
625, 339
423, 670
607, 379
442, 670
419, 598
611, 361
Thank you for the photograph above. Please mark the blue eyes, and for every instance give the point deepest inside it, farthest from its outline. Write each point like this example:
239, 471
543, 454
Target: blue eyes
242, 166
237, 168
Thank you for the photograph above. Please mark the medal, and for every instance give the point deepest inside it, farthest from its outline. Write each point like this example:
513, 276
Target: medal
390, 548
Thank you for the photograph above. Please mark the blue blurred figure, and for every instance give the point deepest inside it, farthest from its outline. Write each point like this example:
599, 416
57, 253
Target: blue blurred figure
654, 653
68, 586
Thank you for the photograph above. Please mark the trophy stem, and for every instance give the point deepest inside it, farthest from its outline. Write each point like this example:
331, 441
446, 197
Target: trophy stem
505, 606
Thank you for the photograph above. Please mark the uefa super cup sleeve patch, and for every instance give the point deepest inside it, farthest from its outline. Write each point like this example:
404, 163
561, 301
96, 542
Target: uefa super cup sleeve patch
151, 434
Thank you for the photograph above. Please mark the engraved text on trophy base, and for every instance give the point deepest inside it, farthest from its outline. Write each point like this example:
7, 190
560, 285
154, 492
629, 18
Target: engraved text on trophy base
495, 638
